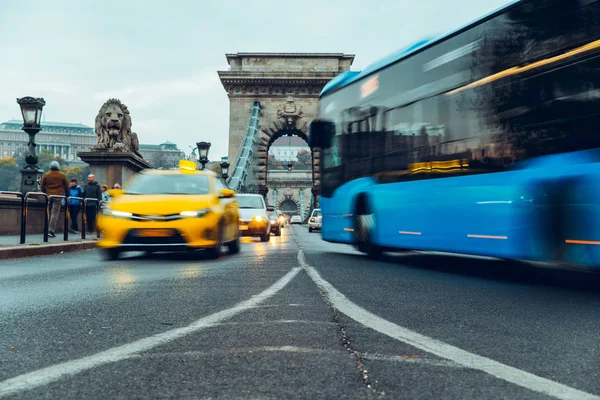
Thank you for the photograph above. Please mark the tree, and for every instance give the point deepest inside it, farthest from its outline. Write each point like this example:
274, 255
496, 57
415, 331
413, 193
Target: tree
77, 172
272, 162
19, 156
304, 156
9, 174
45, 158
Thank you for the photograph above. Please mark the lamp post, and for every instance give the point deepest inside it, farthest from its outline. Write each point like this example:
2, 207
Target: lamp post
203, 148
31, 109
225, 169
290, 166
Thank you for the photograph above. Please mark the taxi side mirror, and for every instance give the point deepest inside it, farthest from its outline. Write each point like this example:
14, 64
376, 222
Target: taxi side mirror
115, 192
227, 193
270, 209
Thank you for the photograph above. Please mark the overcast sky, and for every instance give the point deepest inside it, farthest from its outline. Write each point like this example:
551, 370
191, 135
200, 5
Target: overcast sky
160, 57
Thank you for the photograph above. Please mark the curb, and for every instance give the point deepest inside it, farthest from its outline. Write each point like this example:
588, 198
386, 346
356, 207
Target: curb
44, 249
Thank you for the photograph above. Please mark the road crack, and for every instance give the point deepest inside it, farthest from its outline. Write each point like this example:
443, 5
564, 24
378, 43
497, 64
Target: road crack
359, 361
345, 341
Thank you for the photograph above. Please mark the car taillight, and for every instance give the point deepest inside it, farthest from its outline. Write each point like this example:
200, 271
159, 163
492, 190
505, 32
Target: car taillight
312, 220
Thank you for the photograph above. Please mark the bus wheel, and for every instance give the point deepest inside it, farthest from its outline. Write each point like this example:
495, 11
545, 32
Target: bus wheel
364, 227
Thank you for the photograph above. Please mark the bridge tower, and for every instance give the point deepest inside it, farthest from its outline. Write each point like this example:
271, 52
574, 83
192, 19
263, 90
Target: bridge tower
272, 95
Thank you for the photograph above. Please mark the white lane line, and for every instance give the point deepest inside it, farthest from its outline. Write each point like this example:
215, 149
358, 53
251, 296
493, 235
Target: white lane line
439, 348
53, 373
409, 360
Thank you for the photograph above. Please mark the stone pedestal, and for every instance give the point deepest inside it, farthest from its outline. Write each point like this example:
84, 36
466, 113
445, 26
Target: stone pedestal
30, 180
113, 167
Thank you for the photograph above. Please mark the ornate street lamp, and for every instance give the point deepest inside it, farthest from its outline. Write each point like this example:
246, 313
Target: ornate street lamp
31, 109
290, 166
225, 169
203, 148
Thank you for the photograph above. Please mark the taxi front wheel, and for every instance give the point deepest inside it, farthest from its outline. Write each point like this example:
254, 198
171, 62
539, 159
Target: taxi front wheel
215, 252
110, 254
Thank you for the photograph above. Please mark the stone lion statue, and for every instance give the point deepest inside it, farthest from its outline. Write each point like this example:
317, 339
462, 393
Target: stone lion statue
113, 129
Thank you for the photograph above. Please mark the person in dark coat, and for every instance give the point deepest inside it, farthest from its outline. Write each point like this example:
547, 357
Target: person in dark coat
92, 191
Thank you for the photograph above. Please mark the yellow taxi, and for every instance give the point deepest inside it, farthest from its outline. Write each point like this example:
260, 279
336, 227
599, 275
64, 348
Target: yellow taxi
167, 210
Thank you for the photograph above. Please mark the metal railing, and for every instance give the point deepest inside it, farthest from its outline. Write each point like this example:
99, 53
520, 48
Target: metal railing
21, 197
48, 201
244, 154
25, 210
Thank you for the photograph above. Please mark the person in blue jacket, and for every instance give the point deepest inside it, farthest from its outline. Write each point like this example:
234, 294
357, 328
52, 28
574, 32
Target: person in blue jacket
74, 204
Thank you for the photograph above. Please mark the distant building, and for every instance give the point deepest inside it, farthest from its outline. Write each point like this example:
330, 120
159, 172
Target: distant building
164, 155
286, 148
64, 140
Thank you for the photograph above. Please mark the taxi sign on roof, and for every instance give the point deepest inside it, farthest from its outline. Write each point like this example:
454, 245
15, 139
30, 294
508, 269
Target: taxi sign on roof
187, 166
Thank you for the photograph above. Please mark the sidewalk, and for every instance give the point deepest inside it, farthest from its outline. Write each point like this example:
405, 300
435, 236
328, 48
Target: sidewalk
35, 246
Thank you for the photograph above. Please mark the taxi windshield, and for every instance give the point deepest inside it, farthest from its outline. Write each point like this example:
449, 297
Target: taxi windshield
168, 184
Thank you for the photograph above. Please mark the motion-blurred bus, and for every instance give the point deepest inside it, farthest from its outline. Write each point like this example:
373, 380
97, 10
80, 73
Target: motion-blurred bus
484, 141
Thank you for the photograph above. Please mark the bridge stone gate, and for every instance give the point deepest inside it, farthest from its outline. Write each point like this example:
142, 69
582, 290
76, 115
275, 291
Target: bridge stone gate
272, 95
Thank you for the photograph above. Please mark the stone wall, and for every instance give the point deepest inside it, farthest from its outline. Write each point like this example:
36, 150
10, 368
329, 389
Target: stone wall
10, 217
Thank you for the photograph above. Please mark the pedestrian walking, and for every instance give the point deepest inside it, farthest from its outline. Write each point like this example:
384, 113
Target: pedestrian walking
54, 182
92, 191
74, 204
105, 195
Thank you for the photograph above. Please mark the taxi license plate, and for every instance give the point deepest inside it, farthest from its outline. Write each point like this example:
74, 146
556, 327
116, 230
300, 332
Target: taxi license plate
243, 228
154, 233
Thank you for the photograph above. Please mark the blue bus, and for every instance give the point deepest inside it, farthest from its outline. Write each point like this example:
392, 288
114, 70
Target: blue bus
485, 141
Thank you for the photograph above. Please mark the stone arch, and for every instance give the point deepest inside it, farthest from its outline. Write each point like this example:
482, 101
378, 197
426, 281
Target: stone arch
288, 100
286, 207
286, 126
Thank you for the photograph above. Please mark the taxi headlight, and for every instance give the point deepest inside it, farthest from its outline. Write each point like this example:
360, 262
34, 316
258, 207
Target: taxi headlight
273, 221
115, 213
194, 214
258, 218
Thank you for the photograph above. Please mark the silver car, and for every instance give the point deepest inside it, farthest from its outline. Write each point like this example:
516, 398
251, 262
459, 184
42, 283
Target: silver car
314, 222
254, 218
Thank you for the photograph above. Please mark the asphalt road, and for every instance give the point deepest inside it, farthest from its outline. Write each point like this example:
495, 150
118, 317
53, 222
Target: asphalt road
296, 318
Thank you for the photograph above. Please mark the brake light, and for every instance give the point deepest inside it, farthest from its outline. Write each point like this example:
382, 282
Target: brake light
312, 220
